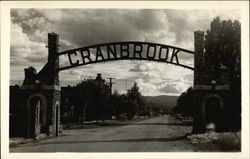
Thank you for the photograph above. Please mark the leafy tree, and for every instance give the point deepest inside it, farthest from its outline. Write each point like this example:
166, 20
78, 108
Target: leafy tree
185, 103
144, 107
118, 103
223, 41
69, 107
65, 110
93, 99
223, 52
134, 98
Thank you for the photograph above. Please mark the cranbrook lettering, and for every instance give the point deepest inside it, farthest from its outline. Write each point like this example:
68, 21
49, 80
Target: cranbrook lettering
161, 52
99, 54
87, 56
174, 55
137, 50
111, 51
123, 51
124, 48
148, 51
70, 60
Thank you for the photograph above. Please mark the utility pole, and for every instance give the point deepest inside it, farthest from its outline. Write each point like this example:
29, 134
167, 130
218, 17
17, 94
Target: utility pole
110, 84
126, 84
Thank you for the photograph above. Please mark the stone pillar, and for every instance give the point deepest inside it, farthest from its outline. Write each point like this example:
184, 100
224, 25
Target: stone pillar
45, 86
198, 125
53, 80
53, 59
198, 56
210, 80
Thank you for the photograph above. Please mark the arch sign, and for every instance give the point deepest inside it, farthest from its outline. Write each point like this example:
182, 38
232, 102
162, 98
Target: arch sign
124, 51
46, 81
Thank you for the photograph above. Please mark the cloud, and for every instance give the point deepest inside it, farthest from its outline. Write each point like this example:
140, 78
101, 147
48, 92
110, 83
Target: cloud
151, 76
184, 22
142, 67
25, 52
33, 23
147, 19
189, 78
20, 43
146, 88
83, 27
167, 88
96, 26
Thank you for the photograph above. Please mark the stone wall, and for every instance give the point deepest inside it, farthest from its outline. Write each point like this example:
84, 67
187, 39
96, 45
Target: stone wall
44, 85
212, 81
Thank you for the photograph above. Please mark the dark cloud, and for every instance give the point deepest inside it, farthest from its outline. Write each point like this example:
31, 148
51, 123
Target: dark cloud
86, 27
184, 22
32, 22
183, 26
96, 26
146, 19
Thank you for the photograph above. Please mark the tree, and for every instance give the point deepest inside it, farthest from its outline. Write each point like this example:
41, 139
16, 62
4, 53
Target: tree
223, 41
185, 103
118, 104
93, 95
223, 48
223, 51
134, 97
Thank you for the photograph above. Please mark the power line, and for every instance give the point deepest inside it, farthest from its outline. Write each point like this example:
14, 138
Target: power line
110, 84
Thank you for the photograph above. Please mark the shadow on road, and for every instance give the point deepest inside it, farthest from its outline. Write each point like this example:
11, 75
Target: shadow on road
173, 123
122, 140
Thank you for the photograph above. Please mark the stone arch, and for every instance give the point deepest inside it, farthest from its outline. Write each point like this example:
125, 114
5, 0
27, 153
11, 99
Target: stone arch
40, 117
207, 98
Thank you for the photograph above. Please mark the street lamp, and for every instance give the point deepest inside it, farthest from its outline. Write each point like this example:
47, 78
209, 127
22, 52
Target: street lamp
213, 84
37, 81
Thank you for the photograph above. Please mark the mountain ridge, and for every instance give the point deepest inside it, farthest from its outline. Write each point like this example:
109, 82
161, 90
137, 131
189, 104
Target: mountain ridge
163, 100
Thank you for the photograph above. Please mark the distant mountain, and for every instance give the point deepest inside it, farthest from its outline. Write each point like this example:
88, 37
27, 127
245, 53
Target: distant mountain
163, 100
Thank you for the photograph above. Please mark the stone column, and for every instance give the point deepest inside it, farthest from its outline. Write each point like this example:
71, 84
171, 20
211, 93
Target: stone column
198, 56
53, 58
45, 84
198, 123
54, 99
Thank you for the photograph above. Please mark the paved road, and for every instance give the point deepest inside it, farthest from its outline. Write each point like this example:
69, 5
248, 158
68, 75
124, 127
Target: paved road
152, 135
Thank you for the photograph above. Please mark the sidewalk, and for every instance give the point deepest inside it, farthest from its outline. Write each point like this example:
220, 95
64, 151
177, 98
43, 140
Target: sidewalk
18, 141
15, 141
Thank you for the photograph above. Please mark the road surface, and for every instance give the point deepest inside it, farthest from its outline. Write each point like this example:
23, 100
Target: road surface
157, 134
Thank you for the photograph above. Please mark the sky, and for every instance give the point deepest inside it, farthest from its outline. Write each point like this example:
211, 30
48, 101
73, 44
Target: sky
83, 27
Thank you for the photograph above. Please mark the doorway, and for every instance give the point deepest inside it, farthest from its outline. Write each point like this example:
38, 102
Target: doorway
212, 110
34, 119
